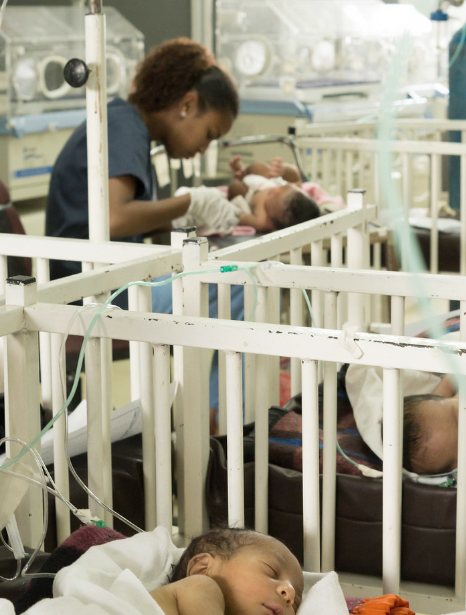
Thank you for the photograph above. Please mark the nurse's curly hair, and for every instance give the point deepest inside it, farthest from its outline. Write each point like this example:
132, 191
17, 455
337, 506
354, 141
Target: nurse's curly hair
220, 542
176, 67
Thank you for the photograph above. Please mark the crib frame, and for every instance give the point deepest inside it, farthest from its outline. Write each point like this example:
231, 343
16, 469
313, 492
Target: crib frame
22, 319
348, 155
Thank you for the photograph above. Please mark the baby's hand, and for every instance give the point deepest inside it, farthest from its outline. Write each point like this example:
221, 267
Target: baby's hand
276, 167
236, 165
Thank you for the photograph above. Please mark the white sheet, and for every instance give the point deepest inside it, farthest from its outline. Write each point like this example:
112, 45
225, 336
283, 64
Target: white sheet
115, 578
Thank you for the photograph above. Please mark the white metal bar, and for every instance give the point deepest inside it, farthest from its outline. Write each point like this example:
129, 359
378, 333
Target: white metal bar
163, 453
224, 311
146, 387
314, 344
43, 275
273, 316
329, 453
60, 465
311, 487
97, 140
249, 363
463, 214
134, 364
262, 428
95, 451
349, 170
434, 205
194, 384
392, 455
22, 407
317, 258
296, 319
235, 439
397, 315
460, 551
355, 259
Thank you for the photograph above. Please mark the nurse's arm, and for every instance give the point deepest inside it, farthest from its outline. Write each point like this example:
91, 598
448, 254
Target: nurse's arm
131, 217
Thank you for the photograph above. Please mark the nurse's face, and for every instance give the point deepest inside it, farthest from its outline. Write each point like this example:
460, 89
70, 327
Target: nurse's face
191, 130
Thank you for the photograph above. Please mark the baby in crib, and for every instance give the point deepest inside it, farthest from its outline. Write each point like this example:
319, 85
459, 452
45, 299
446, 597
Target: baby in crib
236, 572
266, 197
430, 430
270, 195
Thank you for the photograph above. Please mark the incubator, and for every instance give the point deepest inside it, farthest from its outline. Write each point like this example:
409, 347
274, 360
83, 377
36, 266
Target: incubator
309, 49
35, 44
38, 109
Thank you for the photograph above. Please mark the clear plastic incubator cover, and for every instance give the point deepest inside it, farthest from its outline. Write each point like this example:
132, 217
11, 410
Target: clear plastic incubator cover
37, 41
288, 47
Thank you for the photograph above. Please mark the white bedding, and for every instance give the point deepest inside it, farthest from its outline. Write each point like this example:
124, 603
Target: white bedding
115, 578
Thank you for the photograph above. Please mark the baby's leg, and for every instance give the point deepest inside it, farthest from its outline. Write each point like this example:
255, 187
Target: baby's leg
236, 188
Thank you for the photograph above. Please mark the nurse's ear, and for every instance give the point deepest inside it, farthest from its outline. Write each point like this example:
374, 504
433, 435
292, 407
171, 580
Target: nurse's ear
189, 104
201, 563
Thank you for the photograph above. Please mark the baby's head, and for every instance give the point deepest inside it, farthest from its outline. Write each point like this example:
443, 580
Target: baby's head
289, 205
257, 574
430, 434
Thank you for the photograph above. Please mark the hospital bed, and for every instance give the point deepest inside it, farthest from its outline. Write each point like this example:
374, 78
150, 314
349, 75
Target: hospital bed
31, 309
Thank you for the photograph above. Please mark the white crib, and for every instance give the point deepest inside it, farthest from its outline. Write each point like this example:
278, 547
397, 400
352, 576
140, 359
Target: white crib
31, 310
348, 155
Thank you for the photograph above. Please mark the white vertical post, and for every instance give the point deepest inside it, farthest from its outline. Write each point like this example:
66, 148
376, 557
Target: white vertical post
460, 551
3, 277
95, 450
163, 453
356, 260
434, 193
329, 453
262, 427
235, 439
224, 311
249, 363
43, 275
296, 320
397, 315
60, 465
392, 458
339, 173
273, 316
146, 386
194, 386
349, 170
177, 238
463, 213
311, 498
317, 260
134, 367
23, 404
97, 141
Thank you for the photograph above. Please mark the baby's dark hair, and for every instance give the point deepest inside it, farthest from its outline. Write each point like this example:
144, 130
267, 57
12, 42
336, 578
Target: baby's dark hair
414, 430
300, 207
176, 67
221, 542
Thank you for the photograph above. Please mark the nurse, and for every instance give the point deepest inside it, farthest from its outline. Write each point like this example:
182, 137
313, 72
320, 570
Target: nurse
181, 99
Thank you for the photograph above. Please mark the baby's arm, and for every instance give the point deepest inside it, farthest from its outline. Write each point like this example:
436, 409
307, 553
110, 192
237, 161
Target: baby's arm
289, 172
191, 596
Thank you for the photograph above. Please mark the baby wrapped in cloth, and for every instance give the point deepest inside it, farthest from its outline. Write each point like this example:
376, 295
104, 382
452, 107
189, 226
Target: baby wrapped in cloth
116, 578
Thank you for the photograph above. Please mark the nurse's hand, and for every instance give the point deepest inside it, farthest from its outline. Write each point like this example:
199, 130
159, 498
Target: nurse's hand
209, 211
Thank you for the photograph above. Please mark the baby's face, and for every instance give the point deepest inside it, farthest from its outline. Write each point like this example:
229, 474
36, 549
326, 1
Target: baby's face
438, 452
263, 579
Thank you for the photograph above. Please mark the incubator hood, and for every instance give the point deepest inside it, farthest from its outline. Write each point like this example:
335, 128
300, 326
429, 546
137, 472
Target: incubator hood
35, 44
293, 48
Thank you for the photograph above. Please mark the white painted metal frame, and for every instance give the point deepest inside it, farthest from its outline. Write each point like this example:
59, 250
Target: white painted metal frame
357, 145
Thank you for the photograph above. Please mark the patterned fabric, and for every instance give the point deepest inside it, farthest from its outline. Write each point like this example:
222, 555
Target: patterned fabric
285, 435
64, 555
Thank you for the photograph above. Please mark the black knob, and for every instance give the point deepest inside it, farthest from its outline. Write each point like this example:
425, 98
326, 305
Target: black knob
76, 72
